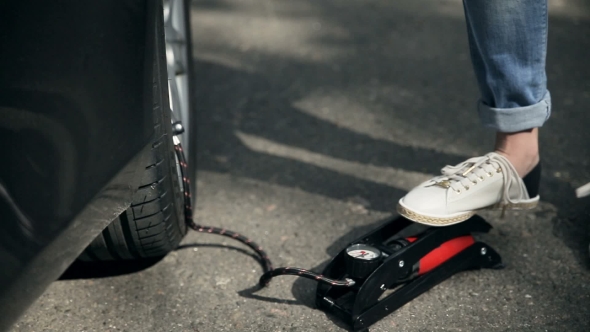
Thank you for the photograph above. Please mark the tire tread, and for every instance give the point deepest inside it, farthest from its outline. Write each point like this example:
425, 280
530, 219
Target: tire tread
154, 223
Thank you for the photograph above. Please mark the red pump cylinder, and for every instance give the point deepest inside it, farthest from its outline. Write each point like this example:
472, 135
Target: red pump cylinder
443, 253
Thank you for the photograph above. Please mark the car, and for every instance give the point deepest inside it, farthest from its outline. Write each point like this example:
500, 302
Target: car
94, 97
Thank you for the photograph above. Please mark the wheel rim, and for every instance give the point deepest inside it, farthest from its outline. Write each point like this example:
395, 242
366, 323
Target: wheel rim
177, 58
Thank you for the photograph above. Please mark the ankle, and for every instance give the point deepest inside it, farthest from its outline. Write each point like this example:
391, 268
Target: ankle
521, 149
522, 164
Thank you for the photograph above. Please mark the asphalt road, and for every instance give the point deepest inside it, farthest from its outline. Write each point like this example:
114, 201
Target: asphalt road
316, 116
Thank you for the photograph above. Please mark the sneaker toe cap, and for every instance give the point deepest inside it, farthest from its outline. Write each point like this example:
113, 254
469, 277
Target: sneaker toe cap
426, 200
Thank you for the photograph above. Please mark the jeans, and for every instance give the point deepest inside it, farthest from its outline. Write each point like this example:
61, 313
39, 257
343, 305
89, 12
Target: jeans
508, 44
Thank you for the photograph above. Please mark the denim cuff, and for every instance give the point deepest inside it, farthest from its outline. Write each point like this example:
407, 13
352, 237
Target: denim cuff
511, 120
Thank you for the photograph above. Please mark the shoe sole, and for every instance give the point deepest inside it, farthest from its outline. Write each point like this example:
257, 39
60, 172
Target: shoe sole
462, 216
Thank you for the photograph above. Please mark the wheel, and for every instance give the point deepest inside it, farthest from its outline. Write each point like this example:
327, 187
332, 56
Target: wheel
154, 225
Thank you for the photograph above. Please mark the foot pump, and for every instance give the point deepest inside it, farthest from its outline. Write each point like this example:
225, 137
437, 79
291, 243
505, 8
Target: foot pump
381, 271
389, 270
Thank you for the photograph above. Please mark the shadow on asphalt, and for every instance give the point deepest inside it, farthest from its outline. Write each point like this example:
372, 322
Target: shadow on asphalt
90, 270
93, 270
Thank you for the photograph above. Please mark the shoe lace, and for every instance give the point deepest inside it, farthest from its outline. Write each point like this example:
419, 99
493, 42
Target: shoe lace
468, 173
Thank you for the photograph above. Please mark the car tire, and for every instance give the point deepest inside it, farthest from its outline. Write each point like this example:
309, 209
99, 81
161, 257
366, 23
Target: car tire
154, 224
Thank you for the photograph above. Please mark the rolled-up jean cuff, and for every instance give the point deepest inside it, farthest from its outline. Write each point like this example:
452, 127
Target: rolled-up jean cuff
511, 120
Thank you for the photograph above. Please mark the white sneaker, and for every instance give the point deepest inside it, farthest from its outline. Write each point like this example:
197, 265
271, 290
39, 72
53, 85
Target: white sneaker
488, 182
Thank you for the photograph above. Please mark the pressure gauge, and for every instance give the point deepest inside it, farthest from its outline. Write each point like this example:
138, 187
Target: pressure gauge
361, 260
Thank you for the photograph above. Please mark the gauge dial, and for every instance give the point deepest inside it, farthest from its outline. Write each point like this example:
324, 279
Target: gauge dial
362, 260
364, 252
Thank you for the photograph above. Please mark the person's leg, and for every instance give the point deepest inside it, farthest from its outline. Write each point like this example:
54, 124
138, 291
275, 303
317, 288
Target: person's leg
508, 43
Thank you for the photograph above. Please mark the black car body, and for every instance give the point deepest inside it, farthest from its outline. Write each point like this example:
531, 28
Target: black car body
75, 122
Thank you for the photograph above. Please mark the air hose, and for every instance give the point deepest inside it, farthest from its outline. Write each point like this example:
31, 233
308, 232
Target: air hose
269, 271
